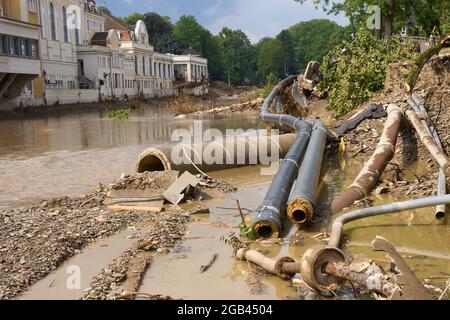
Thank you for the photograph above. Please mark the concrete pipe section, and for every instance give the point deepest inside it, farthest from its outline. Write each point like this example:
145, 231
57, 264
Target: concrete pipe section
229, 153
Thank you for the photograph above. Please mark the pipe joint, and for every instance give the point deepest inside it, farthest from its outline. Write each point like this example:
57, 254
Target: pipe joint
300, 211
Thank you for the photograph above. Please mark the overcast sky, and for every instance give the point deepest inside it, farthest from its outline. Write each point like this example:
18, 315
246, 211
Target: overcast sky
257, 18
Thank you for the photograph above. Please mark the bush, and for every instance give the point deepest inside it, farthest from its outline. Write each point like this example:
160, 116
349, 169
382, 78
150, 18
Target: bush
355, 70
121, 114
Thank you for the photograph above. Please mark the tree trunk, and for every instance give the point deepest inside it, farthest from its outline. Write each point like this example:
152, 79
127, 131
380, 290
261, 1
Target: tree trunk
389, 24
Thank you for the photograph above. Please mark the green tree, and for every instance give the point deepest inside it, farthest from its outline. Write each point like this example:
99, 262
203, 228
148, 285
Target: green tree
190, 33
355, 70
429, 14
238, 53
168, 43
133, 18
157, 27
287, 47
270, 59
313, 40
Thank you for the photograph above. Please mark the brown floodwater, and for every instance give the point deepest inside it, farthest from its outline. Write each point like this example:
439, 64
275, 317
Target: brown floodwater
69, 155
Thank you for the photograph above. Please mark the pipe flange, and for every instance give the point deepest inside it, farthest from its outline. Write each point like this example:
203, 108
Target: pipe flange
279, 267
313, 263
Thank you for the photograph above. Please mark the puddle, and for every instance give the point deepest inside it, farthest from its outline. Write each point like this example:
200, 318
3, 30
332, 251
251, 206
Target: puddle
90, 262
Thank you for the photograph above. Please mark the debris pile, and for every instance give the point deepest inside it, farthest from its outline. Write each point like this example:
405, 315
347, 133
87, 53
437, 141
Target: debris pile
35, 241
433, 89
237, 107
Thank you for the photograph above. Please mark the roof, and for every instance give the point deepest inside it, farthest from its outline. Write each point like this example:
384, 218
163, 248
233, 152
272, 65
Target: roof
126, 35
114, 23
98, 36
191, 52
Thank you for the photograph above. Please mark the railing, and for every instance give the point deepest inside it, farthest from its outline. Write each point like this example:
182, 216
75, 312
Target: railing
85, 83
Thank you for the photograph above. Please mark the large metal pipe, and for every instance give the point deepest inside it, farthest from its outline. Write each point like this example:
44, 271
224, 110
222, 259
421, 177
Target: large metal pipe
303, 200
336, 229
369, 175
418, 107
236, 152
267, 222
428, 141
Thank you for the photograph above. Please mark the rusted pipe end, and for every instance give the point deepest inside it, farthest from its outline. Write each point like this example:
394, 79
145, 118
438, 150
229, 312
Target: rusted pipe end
152, 159
240, 254
300, 211
440, 214
313, 264
265, 229
279, 270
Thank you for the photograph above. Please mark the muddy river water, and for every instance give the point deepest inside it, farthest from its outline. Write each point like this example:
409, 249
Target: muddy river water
69, 155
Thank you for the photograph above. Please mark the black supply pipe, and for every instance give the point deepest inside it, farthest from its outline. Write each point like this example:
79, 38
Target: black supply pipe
301, 207
267, 221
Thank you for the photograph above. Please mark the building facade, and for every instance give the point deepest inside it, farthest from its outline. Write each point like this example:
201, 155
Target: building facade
79, 55
19, 46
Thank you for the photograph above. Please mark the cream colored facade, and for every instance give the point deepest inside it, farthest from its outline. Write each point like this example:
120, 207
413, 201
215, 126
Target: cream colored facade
80, 61
19, 47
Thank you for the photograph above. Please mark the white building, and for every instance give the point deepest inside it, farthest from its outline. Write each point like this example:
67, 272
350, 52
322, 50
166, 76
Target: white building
87, 56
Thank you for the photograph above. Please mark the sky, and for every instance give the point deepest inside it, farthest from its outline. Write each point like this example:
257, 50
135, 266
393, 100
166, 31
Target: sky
257, 18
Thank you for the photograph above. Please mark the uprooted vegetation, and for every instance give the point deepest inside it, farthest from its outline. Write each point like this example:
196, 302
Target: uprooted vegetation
356, 70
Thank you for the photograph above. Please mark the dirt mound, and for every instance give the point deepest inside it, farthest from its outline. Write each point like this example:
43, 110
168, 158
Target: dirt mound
433, 89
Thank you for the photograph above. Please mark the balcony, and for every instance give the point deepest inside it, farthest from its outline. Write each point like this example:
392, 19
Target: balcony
19, 57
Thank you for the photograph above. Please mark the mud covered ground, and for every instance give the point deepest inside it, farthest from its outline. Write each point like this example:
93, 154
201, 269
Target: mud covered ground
35, 241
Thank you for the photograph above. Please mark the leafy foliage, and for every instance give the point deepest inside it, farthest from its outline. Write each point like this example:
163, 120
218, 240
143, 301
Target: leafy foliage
120, 114
423, 15
190, 33
314, 39
270, 60
355, 70
238, 56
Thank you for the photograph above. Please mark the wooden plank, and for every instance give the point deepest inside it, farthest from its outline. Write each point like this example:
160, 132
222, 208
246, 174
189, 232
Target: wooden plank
151, 206
133, 193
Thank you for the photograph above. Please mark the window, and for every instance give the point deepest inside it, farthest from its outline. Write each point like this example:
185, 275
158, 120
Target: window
77, 36
3, 44
52, 21
143, 65
42, 20
34, 48
14, 46
135, 65
32, 5
66, 33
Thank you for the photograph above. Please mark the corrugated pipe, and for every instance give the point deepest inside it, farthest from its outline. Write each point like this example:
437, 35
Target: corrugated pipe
267, 222
374, 167
336, 229
303, 200
418, 107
